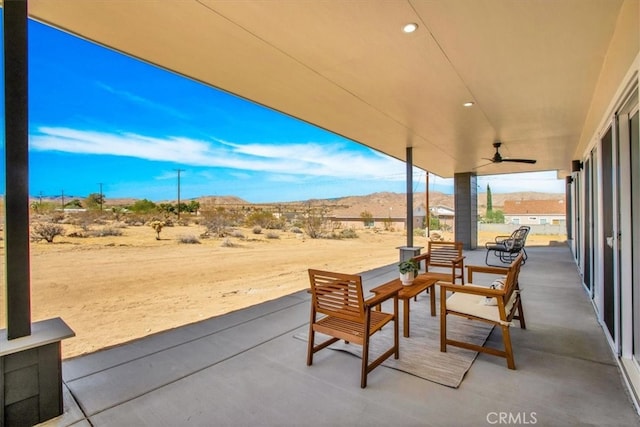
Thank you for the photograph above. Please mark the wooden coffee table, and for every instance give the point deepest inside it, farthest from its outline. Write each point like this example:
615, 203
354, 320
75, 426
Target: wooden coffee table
407, 292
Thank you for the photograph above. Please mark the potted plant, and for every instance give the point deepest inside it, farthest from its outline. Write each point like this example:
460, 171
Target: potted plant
408, 271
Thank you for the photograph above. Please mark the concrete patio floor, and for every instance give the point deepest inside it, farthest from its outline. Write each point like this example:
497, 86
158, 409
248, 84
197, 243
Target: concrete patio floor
246, 369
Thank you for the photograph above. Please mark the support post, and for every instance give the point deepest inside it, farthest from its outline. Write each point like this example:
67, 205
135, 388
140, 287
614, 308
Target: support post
30, 354
409, 196
17, 169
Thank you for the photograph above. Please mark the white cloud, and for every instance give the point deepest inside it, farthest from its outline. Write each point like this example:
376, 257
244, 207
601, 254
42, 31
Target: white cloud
144, 102
312, 159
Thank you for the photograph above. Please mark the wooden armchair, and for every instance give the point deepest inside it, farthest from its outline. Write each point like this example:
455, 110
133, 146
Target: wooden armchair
348, 316
443, 261
497, 305
507, 248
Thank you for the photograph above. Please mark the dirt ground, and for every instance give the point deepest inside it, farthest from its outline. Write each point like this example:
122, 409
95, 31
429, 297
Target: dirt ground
111, 290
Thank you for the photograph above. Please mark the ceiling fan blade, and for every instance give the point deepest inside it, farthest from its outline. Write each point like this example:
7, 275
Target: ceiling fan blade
530, 161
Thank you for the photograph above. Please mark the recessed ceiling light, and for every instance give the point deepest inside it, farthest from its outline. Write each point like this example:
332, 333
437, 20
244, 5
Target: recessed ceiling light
468, 104
410, 28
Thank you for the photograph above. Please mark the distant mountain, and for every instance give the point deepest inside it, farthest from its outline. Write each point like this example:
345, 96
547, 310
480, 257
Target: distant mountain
387, 204
382, 204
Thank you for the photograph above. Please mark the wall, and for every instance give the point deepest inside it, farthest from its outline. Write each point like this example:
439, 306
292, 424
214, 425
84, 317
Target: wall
507, 229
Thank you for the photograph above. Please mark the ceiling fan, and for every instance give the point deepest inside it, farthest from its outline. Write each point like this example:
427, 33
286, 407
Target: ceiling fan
497, 158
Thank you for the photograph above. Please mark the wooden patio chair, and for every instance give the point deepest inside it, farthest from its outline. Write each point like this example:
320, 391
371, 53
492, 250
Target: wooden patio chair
348, 316
443, 261
497, 305
507, 248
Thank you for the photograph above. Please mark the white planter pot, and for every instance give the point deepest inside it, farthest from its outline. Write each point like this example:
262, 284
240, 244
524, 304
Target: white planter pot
407, 278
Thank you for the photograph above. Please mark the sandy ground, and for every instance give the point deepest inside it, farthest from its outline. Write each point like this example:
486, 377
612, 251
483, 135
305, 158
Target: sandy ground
114, 289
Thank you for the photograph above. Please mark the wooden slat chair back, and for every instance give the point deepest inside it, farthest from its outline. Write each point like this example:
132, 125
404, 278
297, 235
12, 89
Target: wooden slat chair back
497, 306
506, 248
347, 316
444, 261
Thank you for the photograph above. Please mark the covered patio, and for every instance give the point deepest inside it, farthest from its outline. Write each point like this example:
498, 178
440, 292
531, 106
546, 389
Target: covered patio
246, 368
558, 85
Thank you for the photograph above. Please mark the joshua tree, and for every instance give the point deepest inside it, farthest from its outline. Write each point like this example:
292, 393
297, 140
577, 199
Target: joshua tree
157, 226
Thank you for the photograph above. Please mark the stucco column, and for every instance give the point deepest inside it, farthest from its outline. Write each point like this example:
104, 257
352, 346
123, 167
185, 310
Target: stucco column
466, 205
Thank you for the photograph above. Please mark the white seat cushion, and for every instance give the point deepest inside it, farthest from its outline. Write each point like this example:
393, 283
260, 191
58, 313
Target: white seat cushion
474, 305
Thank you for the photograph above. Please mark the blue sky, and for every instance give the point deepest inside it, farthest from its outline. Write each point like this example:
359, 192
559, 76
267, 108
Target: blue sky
99, 117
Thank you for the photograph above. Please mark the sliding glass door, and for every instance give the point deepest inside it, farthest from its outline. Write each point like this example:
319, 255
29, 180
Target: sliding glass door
635, 225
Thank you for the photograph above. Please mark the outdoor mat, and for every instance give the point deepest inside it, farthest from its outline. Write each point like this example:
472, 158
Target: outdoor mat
420, 353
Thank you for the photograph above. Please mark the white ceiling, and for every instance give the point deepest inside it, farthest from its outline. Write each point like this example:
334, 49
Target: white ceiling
530, 66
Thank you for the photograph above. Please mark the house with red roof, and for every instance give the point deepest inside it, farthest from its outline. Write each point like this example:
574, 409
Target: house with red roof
530, 212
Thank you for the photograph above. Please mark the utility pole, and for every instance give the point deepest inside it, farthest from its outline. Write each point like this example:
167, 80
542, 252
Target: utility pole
179, 170
100, 184
62, 200
428, 208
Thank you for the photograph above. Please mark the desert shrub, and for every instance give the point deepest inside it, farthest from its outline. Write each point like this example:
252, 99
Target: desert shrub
46, 231
218, 220
264, 219
367, 218
183, 222
316, 221
78, 234
328, 235
260, 218
226, 243
118, 224
106, 231
272, 235
237, 234
348, 233
135, 220
143, 206
56, 217
296, 230
189, 239
118, 213
257, 229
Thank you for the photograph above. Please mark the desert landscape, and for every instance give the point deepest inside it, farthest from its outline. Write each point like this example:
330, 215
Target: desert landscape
114, 289
111, 289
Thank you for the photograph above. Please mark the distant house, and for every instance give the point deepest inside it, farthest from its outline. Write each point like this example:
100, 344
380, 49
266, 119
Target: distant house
382, 218
445, 215
529, 212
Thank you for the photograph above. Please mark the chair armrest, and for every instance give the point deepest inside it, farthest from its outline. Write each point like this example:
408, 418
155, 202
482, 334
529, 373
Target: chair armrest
471, 289
426, 257
423, 257
501, 239
458, 260
380, 298
485, 269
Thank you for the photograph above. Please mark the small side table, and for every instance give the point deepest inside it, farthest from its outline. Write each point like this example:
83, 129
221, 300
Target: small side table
410, 291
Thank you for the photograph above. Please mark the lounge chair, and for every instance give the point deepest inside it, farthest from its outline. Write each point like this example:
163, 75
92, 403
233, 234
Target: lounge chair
507, 248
